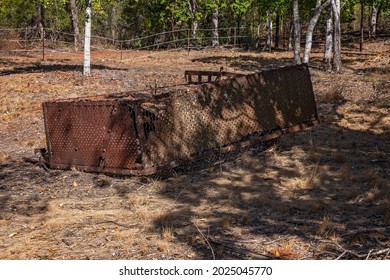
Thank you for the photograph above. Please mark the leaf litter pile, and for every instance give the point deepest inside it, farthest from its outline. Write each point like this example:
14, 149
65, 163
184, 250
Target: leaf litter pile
319, 194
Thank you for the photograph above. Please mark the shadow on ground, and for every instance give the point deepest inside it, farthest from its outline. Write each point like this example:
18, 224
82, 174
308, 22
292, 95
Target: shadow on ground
328, 186
42, 68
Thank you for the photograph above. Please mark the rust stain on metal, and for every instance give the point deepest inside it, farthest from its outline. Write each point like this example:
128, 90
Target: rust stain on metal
143, 134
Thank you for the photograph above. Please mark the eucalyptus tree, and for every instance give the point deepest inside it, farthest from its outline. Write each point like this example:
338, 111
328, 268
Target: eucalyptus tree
320, 5
337, 36
297, 32
87, 40
196, 16
75, 23
328, 46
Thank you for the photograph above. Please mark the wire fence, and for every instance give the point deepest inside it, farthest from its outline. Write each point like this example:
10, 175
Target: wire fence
33, 39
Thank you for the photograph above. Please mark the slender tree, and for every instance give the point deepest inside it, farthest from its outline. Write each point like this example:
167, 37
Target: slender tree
297, 32
311, 26
87, 40
214, 20
75, 23
337, 36
328, 48
374, 16
361, 25
41, 19
277, 29
193, 7
268, 44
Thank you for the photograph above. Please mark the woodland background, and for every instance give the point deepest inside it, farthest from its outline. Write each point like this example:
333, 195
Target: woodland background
133, 24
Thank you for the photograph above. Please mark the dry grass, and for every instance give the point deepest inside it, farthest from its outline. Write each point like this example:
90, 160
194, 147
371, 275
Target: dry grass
163, 246
3, 157
335, 93
316, 185
286, 250
167, 234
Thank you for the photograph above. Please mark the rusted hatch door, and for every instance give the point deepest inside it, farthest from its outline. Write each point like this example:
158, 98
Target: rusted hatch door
98, 134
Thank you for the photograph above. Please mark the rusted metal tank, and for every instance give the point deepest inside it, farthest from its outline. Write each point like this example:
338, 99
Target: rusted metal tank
144, 133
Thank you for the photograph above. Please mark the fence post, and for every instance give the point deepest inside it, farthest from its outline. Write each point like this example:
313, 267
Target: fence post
25, 39
121, 51
235, 37
188, 41
43, 45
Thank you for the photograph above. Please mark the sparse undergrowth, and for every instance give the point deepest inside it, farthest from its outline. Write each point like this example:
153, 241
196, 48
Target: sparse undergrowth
320, 194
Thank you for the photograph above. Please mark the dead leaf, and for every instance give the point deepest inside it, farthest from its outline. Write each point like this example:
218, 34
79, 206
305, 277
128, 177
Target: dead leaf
54, 249
75, 184
12, 234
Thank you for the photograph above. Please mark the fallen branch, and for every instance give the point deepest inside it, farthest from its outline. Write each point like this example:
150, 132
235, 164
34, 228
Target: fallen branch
116, 223
240, 251
208, 243
379, 252
364, 230
274, 241
357, 255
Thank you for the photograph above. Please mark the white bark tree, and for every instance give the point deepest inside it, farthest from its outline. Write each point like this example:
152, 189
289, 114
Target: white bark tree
193, 6
311, 26
215, 36
268, 44
328, 48
337, 36
87, 40
361, 25
40, 19
374, 15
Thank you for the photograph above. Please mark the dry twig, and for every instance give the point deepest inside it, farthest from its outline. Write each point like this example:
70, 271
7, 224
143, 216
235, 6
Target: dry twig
240, 251
208, 243
116, 223
364, 230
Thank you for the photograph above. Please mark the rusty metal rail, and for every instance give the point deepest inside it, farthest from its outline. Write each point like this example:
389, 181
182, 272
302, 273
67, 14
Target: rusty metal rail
144, 134
207, 76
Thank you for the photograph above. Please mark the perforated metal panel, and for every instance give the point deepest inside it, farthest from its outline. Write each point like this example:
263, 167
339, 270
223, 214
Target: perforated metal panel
142, 134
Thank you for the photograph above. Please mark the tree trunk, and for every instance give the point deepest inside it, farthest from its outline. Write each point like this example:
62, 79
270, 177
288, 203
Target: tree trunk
297, 32
290, 36
329, 36
373, 20
379, 11
258, 43
41, 25
268, 44
113, 21
87, 41
215, 36
283, 25
277, 30
337, 37
361, 25
193, 6
75, 22
40, 19
195, 25
310, 29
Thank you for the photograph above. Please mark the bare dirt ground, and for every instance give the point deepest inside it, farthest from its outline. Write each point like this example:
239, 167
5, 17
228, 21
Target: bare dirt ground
319, 194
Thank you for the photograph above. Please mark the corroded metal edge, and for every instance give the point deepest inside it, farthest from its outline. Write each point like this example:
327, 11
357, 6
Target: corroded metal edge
152, 170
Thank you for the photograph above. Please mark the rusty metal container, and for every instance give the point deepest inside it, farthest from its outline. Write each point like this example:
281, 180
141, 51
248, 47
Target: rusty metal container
144, 133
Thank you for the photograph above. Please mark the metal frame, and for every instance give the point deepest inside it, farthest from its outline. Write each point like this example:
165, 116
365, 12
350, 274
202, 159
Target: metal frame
141, 134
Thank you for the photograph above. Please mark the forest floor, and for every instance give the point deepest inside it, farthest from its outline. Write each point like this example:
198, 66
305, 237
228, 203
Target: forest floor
322, 193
